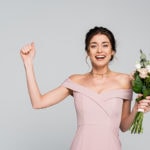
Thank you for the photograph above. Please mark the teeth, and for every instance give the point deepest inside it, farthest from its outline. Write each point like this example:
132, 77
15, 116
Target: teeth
100, 56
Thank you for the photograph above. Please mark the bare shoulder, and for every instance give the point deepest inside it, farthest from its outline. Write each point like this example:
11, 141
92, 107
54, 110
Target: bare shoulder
78, 77
123, 79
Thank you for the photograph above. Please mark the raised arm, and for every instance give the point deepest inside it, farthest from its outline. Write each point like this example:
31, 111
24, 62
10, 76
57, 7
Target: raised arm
39, 100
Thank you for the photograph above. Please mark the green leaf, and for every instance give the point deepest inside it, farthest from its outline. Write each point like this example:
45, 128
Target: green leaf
147, 82
143, 56
137, 84
146, 91
143, 60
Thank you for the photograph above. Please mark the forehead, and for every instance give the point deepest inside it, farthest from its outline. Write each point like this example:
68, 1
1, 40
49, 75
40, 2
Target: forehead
99, 38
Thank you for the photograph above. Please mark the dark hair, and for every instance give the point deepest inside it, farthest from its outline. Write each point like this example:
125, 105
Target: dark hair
100, 30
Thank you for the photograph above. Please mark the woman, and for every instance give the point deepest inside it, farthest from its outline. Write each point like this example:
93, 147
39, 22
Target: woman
102, 96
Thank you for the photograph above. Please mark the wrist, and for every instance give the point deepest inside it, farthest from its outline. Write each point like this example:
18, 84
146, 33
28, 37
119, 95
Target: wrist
28, 64
135, 108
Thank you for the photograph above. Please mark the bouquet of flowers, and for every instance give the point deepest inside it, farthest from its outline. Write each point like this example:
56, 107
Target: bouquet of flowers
141, 85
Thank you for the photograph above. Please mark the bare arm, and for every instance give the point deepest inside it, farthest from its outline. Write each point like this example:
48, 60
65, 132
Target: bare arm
127, 115
39, 100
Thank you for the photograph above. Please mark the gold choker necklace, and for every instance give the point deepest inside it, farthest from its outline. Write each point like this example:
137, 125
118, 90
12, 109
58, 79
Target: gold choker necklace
100, 74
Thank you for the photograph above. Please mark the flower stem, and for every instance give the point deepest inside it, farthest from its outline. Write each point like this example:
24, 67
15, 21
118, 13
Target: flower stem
136, 126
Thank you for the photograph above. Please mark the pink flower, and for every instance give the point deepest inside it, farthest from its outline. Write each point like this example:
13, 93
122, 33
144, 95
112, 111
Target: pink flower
143, 72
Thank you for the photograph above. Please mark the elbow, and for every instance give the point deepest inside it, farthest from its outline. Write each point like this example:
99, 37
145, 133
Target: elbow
123, 128
39, 105
35, 106
36, 102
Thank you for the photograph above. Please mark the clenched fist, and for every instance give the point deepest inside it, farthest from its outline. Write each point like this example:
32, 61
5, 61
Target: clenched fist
27, 53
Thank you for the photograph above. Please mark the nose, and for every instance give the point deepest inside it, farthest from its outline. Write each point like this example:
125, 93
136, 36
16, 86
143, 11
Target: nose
99, 49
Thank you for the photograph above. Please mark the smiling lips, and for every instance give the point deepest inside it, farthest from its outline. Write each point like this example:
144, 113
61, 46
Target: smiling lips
100, 57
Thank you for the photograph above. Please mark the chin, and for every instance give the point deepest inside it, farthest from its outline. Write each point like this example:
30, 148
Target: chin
102, 64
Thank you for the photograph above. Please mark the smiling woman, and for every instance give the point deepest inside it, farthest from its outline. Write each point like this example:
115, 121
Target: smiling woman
102, 96
100, 51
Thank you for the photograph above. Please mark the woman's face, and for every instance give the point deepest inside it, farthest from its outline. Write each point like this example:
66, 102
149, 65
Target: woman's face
100, 50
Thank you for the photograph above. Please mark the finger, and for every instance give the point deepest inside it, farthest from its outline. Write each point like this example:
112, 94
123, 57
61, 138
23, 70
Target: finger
147, 109
32, 45
144, 101
143, 107
144, 104
26, 49
148, 97
140, 95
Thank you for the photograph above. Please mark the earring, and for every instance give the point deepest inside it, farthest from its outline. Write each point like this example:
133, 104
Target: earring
86, 59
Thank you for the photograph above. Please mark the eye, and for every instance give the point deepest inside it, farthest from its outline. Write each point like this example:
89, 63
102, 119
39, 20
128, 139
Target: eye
93, 46
105, 45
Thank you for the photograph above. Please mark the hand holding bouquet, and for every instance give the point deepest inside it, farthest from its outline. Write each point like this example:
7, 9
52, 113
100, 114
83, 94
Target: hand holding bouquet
141, 85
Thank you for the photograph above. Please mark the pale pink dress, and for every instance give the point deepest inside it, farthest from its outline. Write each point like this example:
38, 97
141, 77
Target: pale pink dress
98, 117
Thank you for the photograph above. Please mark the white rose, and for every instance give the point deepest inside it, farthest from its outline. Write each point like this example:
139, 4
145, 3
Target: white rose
148, 68
138, 66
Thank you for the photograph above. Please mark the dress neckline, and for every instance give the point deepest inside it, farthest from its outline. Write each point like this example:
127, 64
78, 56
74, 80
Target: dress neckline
98, 93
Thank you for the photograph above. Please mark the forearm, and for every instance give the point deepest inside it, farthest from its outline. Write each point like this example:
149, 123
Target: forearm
34, 92
127, 121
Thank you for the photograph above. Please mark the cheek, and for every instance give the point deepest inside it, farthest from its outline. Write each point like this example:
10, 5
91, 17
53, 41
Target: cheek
111, 53
91, 57
89, 53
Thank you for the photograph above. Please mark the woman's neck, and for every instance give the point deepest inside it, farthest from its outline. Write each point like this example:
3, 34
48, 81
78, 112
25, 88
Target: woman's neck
100, 72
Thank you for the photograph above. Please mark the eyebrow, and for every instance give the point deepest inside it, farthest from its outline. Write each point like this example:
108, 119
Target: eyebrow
93, 42
105, 42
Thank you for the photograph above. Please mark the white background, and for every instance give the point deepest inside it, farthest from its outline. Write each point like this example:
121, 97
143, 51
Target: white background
58, 28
